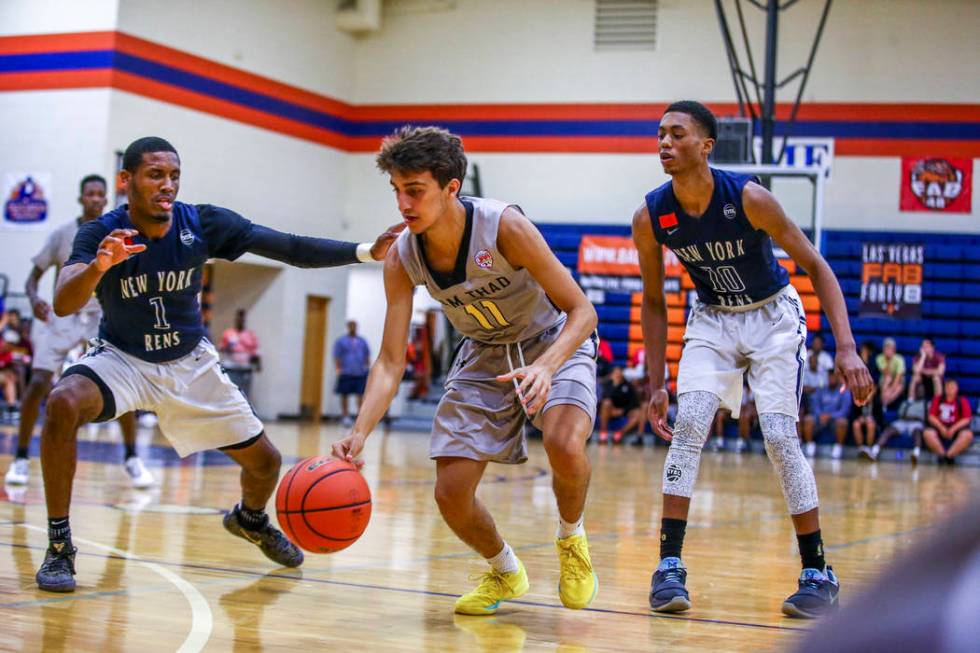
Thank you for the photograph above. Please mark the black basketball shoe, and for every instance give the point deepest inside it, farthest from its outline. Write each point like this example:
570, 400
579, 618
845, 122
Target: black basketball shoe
816, 596
57, 572
667, 590
269, 539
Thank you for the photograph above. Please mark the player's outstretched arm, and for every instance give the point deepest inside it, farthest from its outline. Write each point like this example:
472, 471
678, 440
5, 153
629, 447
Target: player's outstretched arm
388, 369
653, 318
311, 252
524, 247
90, 259
765, 213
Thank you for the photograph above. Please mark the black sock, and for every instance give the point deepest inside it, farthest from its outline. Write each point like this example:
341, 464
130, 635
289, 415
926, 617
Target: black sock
130, 451
58, 529
811, 550
253, 520
22, 452
671, 537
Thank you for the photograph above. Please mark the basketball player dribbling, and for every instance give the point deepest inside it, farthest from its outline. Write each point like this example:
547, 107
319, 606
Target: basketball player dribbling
748, 320
145, 260
527, 354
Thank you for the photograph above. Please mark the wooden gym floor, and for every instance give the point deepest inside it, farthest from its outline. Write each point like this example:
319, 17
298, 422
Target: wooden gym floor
156, 571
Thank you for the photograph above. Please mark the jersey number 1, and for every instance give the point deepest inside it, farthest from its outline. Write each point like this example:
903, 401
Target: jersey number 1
161, 313
492, 309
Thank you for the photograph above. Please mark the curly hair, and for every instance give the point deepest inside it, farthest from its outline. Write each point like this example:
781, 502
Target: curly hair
420, 149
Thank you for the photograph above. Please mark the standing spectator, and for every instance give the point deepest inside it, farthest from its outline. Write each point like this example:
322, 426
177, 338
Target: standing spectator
619, 399
352, 357
240, 353
928, 364
949, 422
636, 368
824, 360
891, 366
911, 417
829, 409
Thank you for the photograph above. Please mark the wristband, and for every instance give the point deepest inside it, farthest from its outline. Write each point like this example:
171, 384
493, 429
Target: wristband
364, 253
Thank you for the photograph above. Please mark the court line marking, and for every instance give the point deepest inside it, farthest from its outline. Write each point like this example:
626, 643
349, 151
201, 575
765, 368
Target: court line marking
368, 586
202, 622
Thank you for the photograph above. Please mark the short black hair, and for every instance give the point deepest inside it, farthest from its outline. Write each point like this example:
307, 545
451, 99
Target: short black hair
89, 178
701, 114
134, 153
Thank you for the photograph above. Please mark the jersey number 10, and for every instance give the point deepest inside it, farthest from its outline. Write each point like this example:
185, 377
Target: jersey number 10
483, 320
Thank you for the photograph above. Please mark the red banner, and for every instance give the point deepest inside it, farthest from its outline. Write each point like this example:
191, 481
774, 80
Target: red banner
939, 184
617, 255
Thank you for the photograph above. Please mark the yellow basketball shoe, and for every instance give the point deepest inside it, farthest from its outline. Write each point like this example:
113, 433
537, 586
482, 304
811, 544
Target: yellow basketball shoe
494, 587
577, 584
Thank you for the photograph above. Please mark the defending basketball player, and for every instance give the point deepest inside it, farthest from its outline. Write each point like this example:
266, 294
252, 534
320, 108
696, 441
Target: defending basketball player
748, 320
527, 354
144, 261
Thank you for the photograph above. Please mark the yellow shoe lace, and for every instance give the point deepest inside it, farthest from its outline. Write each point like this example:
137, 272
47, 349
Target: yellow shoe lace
492, 586
575, 563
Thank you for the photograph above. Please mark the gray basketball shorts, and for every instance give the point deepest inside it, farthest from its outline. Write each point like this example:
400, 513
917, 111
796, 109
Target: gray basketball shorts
197, 404
482, 419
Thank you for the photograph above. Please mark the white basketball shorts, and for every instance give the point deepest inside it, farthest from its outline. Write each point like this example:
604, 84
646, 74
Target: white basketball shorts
59, 335
198, 406
766, 344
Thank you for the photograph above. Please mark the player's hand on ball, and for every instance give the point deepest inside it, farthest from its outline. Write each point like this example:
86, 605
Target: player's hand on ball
380, 247
534, 386
657, 414
349, 449
855, 373
116, 248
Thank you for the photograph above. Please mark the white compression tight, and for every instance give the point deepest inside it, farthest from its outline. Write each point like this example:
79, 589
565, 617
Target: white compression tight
695, 415
794, 472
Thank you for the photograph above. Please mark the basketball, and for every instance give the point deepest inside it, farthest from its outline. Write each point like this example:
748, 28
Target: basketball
323, 504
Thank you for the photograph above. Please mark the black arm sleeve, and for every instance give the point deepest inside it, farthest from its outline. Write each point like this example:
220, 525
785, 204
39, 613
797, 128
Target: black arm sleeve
301, 251
86, 244
229, 235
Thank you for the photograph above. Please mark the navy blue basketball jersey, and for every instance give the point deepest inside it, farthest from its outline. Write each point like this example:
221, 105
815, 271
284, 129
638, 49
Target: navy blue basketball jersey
730, 261
150, 306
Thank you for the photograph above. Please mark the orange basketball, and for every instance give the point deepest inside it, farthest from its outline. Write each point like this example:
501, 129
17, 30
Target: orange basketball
323, 504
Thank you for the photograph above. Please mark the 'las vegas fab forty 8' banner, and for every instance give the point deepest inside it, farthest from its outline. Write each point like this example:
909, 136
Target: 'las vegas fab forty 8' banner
891, 280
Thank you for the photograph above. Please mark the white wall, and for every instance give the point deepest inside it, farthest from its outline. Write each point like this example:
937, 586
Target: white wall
52, 16
62, 133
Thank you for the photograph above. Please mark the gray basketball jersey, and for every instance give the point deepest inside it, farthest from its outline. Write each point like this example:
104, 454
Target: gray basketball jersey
493, 303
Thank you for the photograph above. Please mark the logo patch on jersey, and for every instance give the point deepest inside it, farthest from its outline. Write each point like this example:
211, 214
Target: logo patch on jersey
186, 237
674, 473
484, 259
667, 221
729, 211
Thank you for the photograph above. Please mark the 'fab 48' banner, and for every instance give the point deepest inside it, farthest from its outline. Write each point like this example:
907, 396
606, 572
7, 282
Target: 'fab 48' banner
891, 280
939, 184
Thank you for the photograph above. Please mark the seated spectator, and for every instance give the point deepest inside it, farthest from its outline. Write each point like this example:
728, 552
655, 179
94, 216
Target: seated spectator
866, 422
825, 361
829, 408
604, 360
8, 376
911, 418
747, 419
949, 424
636, 368
928, 365
891, 366
619, 399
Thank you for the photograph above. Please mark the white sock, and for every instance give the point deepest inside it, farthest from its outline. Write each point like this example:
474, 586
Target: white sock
567, 529
504, 562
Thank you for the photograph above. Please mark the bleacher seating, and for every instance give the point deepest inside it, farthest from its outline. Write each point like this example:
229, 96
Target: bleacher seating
950, 310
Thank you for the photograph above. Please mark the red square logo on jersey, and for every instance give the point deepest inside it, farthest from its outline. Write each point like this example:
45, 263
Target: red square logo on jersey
668, 221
